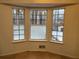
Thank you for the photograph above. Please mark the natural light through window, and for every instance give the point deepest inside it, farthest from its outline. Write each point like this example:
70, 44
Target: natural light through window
38, 23
58, 25
18, 23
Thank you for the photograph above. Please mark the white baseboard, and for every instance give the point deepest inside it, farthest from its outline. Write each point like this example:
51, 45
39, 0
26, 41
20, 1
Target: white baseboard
10, 53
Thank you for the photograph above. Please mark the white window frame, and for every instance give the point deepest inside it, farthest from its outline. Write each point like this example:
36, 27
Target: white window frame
19, 14
55, 39
38, 24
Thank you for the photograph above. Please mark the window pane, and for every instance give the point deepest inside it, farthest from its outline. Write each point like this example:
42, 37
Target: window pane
15, 27
21, 27
38, 32
38, 24
16, 37
21, 31
60, 38
61, 11
18, 23
14, 11
22, 36
54, 33
54, 37
16, 32
61, 16
55, 11
58, 24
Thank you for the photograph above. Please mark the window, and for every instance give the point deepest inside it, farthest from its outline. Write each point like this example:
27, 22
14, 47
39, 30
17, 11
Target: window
38, 23
58, 25
18, 23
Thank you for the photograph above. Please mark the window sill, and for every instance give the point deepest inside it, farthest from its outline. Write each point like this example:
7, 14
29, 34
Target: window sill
18, 41
57, 42
37, 40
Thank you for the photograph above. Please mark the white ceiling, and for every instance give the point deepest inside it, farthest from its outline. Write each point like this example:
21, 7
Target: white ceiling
38, 4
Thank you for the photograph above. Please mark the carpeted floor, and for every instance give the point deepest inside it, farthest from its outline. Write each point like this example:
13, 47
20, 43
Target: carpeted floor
34, 55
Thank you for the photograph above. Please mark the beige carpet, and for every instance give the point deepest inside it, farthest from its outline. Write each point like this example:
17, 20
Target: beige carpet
34, 55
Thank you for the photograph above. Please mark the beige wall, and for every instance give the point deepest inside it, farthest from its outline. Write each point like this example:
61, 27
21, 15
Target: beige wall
69, 48
77, 51
7, 46
6, 29
0, 30
70, 32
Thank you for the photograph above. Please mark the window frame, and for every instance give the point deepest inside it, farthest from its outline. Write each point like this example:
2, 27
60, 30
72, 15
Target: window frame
46, 37
30, 39
56, 40
18, 15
